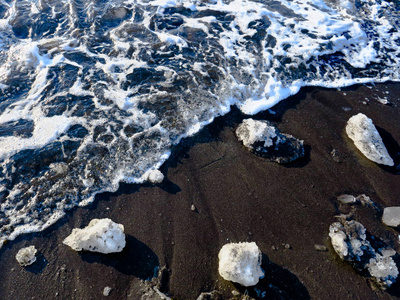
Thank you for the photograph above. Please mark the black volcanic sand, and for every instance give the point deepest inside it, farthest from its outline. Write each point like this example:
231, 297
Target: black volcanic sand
238, 196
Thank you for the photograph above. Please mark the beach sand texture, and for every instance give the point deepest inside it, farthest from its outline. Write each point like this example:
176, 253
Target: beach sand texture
237, 197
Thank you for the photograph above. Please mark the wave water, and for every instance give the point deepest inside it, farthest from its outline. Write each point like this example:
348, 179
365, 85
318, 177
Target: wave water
95, 92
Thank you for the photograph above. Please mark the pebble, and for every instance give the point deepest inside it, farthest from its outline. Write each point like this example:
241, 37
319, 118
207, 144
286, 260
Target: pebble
320, 248
107, 291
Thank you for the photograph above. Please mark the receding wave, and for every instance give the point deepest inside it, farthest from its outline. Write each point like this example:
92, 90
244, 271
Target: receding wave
93, 93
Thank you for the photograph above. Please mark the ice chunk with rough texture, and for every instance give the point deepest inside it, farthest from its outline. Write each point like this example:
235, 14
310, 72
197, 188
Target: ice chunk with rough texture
391, 216
350, 242
267, 141
241, 263
26, 256
155, 176
367, 139
101, 235
348, 239
383, 268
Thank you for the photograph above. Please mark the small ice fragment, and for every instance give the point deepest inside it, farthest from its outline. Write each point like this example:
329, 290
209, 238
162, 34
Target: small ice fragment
391, 216
267, 141
251, 131
107, 291
383, 268
101, 235
241, 263
367, 139
348, 239
155, 176
383, 101
26, 256
346, 199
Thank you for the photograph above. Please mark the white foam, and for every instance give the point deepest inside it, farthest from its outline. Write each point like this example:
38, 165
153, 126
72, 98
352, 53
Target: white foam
46, 130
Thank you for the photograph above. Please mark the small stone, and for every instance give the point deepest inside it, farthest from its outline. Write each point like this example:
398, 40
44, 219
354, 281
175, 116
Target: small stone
235, 293
321, 248
287, 246
336, 156
193, 208
391, 216
107, 291
26, 256
347, 199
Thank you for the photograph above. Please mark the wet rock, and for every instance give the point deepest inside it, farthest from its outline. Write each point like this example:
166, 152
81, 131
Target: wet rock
101, 235
267, 141
26, 256
350, 242
241, 263
366, 138
391, 216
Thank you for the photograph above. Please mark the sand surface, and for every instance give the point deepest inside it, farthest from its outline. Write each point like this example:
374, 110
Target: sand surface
238, 196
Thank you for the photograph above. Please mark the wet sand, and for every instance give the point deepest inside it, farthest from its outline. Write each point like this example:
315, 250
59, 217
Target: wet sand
238, 196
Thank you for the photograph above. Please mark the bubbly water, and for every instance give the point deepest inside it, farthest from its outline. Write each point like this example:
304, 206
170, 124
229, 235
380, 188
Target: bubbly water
95, 92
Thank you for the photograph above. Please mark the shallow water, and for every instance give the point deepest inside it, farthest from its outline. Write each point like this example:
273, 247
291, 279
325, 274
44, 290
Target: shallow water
93, 93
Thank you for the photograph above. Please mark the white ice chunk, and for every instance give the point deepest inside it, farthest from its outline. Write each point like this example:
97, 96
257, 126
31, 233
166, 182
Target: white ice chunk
350, 242
155, 176
367, 139
391, 216
383, 268
26, 256
338, 239
101, 235
251, 131
241, 263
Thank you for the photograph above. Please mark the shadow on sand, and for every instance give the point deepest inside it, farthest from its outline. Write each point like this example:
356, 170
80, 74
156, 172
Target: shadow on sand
136, 259
277, 283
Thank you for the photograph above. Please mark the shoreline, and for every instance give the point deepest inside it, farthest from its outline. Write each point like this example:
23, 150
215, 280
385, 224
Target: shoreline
238, 197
